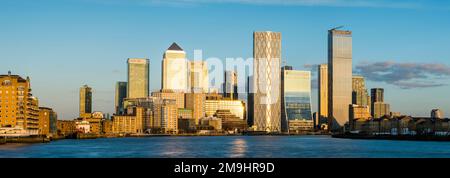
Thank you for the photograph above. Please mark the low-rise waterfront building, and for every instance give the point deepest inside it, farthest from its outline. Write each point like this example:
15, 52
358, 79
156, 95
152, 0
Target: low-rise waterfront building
231, 122
210, 123
186, 125
66, 127
47, 121
83, 126
215, 103
19, 110
402, 125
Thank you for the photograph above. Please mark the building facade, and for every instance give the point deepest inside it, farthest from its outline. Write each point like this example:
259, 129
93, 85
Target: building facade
360, 96
85, 101
138, 78
19, 110
266, 81
196, 103
437, 114
296, 98
339, 77
198, 76
236, 107
47, 121
175, 69
322, 92
380, 109
120, 95
172, 95
230, 85
66, 127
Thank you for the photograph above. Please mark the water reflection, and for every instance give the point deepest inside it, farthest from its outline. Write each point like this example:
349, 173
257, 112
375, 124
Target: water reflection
173, 148
238, 148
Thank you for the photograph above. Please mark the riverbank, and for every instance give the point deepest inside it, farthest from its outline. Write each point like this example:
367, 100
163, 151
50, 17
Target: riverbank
393, 137
36, 139
41, 139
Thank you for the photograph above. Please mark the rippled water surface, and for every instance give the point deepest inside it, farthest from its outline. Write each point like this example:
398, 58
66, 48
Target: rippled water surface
229, 147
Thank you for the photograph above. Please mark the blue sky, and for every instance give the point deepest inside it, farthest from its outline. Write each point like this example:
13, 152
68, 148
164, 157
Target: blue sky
63, 44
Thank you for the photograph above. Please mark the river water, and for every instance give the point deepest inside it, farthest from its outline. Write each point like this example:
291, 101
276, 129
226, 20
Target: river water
228, 147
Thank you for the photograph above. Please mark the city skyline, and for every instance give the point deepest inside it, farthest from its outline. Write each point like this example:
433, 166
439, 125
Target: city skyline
107, 64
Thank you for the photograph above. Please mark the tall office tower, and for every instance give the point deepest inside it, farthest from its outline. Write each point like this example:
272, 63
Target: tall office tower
339, 77
85, 101
266, 81
138, 78
198, 76
296, 114
360, 96
230, 85
18, 107
175, 69
121, 94
376, 95
323, 92
250, 99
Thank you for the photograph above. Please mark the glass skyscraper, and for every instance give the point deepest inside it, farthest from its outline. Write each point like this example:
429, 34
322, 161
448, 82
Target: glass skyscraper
296, 99
121, 94
339, 77
85, 101
138, 78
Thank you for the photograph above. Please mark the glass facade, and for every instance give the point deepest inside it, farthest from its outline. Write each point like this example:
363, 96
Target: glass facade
296, 97
85, 100
138, 78
339, 77
236, 107
121, 94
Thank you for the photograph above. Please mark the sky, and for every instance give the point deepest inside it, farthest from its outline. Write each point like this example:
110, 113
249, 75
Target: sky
400, 45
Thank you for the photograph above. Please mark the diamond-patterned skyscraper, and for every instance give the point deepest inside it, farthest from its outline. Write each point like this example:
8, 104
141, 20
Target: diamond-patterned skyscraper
266, 81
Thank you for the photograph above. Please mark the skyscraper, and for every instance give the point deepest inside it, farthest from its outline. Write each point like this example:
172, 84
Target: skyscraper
296, 100
323, 92
121, 94
198, 76
376, 95
360, 96
266, 81
339, 77
85, 101
175, 69
378, 107
138, 78
230, 85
